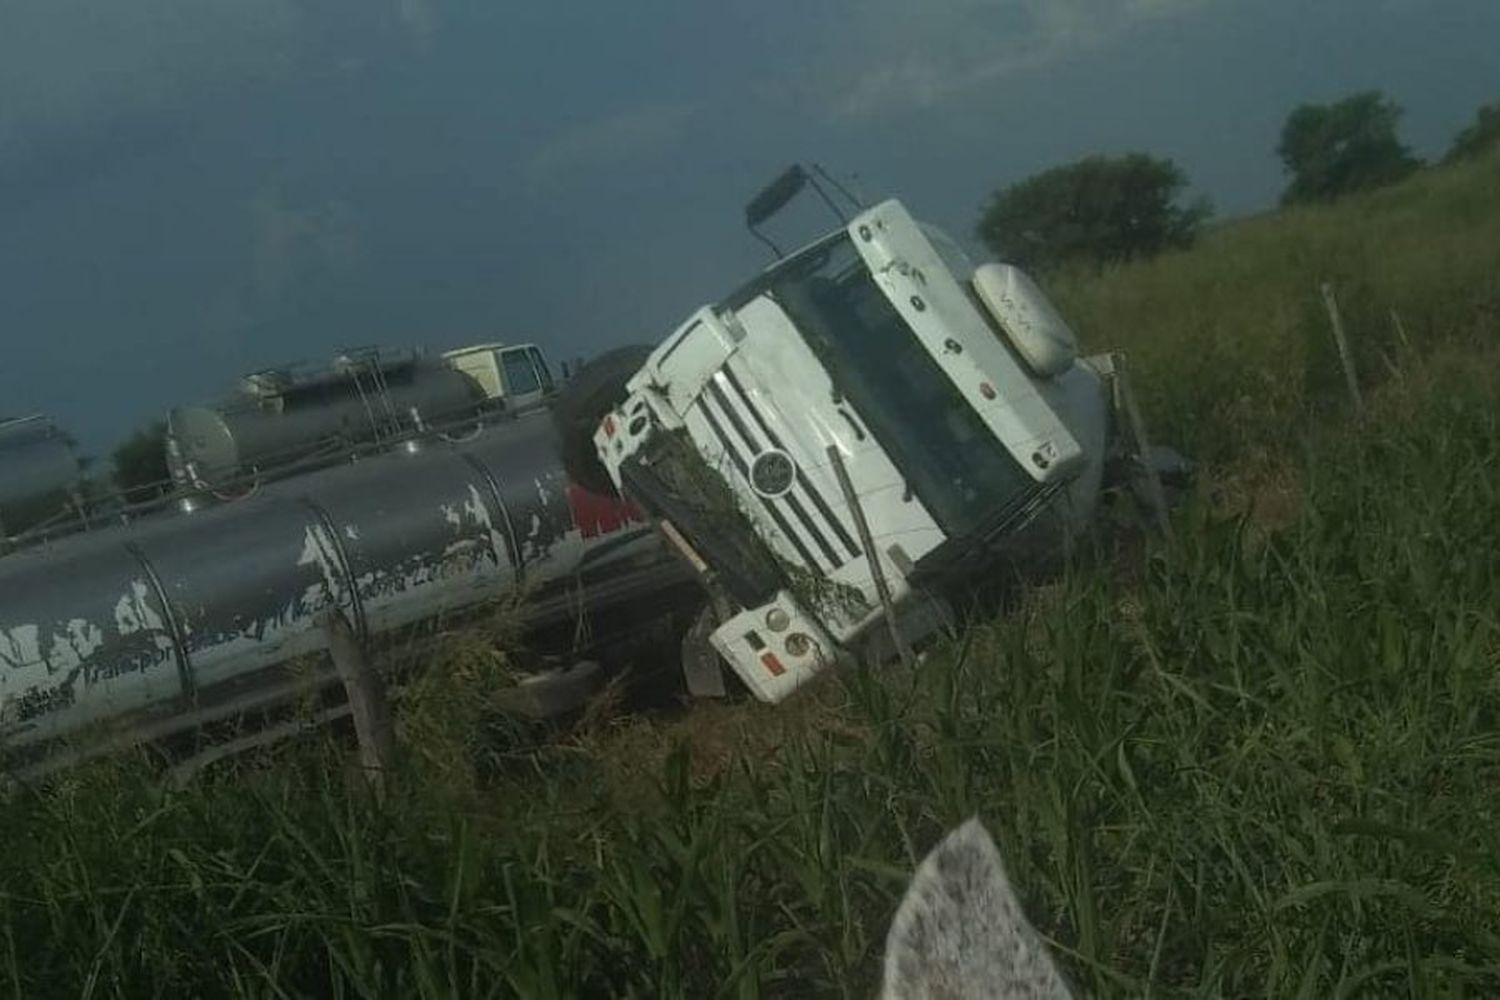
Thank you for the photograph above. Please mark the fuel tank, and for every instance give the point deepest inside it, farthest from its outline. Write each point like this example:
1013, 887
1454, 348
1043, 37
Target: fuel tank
37, 470
276, 417
159, 613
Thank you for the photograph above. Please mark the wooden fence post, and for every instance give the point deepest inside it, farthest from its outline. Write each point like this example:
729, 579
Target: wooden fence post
1345, 358
367, 701
1125, 403
1400, 329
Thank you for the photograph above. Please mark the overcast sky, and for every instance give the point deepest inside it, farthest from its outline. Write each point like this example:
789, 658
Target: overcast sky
194, 188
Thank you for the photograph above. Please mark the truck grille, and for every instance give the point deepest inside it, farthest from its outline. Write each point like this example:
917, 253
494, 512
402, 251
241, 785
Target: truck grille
744, 433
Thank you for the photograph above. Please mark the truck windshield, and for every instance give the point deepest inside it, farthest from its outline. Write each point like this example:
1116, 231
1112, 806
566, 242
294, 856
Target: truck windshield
961, 472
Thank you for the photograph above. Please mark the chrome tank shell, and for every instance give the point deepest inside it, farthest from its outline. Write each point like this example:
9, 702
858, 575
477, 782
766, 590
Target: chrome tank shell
37, 465
155, 614
243, 432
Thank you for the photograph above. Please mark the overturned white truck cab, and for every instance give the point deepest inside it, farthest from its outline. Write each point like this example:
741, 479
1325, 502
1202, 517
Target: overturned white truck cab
867, 421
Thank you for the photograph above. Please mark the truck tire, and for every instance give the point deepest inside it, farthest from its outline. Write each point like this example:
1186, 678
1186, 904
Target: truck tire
703, 670
553, 693
1173, 469
596, 388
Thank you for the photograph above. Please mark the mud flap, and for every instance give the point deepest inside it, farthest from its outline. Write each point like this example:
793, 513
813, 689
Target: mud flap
702, 667
1146, 472
1173, 471
921, 619
554, 692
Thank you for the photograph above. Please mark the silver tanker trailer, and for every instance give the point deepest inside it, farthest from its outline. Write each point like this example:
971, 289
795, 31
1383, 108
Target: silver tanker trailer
40, 475
449, 495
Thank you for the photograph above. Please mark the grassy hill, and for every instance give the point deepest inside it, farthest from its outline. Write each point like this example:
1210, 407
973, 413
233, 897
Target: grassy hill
1264, 760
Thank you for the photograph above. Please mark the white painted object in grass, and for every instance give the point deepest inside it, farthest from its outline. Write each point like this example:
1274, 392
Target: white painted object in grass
960, 932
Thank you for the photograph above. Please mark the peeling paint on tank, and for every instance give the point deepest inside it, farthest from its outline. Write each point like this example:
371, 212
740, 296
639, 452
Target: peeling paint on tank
87, 638
480, 512
535, 548
71, 646
321, 550
312, 595
476, 508
20, 646
133, 612
37, 658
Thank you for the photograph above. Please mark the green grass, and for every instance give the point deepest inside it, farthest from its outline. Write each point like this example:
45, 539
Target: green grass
1265, 761
1231, 340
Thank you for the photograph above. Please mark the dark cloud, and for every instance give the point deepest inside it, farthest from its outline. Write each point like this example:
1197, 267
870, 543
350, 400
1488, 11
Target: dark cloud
52, 163
190, 188
76, 62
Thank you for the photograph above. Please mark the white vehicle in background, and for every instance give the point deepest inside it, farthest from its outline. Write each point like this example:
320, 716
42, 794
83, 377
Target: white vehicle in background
864, 428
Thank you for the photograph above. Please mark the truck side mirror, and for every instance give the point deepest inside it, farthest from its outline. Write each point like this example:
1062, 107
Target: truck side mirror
774, 196
1027, 318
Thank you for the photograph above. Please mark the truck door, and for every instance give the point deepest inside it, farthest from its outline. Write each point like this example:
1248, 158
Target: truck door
524, 384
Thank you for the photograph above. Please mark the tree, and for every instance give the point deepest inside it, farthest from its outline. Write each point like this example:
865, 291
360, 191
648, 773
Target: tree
1483, 135
140, 463
1351, 145
1100, 209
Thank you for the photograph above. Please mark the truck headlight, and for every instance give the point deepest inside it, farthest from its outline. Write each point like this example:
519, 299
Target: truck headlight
798, 645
